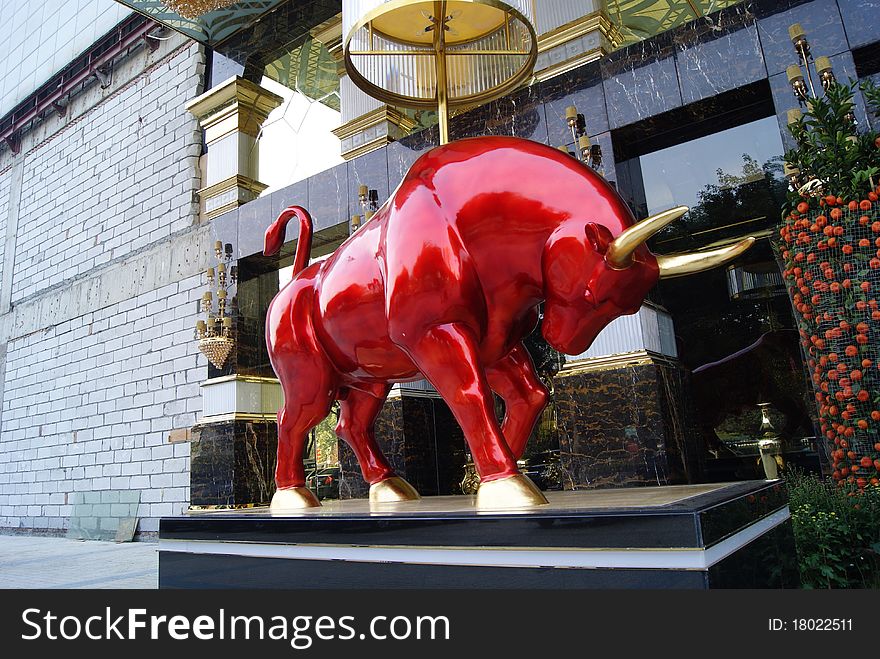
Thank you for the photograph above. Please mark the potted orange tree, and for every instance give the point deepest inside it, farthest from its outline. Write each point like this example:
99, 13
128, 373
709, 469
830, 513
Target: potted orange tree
830, 250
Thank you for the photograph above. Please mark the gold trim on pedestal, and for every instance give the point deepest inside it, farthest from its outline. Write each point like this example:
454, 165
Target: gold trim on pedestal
238, 416
613, 362
240, 378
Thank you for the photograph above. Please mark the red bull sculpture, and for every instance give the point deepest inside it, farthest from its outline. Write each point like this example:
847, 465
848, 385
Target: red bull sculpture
443, 283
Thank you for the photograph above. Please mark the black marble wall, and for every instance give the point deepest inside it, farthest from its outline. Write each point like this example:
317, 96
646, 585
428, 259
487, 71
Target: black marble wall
625, 426
421, 440
233, 463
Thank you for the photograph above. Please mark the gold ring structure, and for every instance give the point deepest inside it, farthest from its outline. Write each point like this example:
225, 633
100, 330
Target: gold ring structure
439, 54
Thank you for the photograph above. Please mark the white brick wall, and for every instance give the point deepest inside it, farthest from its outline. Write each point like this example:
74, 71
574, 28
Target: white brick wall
88, 405
100, 359
5, 178
116, 180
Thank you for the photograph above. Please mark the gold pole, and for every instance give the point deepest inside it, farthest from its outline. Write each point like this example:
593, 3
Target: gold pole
440, 60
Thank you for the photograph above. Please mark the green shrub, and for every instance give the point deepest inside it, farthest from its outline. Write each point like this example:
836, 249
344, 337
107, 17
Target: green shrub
836, 531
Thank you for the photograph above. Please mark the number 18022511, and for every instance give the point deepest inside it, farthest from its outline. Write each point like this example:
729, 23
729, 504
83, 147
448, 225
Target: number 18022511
810, 624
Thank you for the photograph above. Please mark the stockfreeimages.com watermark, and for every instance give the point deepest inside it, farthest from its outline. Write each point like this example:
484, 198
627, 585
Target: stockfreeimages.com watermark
300, 631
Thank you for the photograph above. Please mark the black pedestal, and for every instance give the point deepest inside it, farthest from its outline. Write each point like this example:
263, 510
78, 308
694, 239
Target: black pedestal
735, 535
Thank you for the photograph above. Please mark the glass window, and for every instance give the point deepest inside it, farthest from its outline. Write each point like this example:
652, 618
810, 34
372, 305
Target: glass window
733, 326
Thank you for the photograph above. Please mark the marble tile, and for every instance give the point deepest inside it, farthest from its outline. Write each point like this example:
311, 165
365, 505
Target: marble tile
783, 100
715, 57
820, 20
608, 168
875, 118
225, 229
402, 154
640, 81
253, 218
389, 433
582, 88
292, 195
520, 114
860, 20
328, 197
622, 427
253, 295
845, 69
233, 463
211, 465
371, 170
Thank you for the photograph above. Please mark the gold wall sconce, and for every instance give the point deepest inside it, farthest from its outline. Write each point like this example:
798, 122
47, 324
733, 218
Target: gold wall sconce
369, 202
214, 334
588, 153
803, 86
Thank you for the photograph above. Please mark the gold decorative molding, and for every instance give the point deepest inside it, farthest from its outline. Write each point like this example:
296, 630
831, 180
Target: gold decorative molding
374, 118
262, 379
234, 105
229, 194
598, 20
399, 125
237, 416
613, 362
595, 22
232, 506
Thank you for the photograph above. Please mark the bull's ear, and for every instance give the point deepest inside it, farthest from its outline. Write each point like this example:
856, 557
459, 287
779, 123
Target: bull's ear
599, 236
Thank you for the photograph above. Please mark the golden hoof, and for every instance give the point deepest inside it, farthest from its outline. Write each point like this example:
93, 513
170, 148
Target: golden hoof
294, 498
391, 490
516, 491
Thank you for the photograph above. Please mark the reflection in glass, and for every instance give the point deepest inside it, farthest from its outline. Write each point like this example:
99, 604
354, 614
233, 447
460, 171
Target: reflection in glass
733, 325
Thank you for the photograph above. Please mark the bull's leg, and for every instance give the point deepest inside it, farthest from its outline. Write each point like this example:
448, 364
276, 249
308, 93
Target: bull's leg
307, 401
447, 356
357, 413
525, 396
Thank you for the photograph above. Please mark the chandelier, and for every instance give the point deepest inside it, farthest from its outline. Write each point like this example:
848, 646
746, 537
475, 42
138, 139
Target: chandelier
215, 332
192, 9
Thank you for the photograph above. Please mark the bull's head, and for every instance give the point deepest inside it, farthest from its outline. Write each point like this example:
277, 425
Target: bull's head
591, 277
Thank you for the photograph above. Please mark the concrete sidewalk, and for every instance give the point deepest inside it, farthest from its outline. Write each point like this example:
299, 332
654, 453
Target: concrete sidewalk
38, 562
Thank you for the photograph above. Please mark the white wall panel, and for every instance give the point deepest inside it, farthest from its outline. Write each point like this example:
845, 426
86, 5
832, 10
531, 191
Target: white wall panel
39, 38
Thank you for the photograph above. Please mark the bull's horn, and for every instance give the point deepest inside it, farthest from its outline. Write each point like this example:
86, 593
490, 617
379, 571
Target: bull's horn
677, 265
619, 253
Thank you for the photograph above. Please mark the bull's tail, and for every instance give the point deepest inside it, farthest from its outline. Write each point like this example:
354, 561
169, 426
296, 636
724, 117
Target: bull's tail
275, 236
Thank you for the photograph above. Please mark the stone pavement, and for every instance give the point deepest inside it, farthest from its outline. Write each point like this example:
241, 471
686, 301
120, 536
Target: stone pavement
40, 562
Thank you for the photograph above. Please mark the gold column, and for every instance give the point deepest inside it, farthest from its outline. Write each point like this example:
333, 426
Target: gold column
232, 115
440, 59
